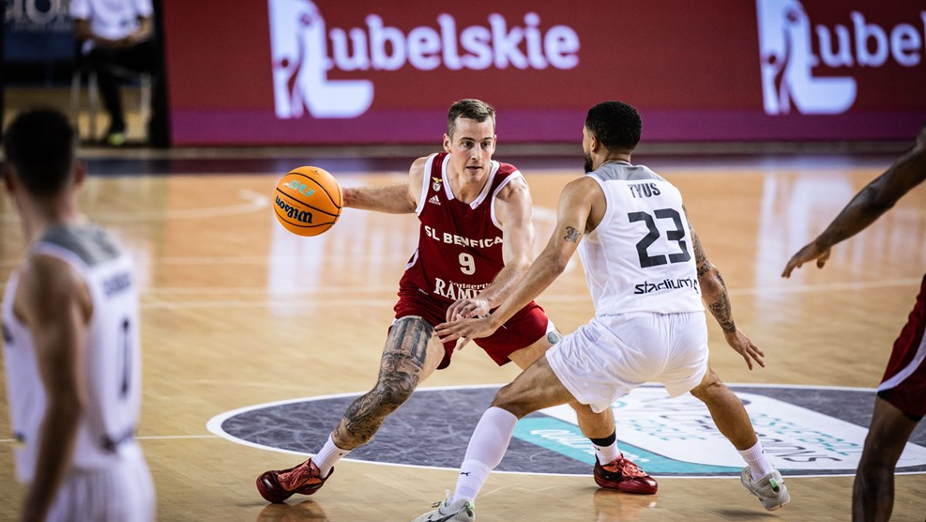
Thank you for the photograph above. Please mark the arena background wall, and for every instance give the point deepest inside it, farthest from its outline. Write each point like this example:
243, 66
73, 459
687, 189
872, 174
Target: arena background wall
306, 72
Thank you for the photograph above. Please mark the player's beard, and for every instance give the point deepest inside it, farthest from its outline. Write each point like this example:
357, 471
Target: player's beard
588, 163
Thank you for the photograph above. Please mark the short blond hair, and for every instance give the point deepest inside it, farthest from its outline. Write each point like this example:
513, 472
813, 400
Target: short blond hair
471, 109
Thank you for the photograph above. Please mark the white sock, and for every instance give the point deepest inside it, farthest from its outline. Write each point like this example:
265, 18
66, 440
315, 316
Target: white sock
328, 456
606, 454
486, 448
473, 474
759, 466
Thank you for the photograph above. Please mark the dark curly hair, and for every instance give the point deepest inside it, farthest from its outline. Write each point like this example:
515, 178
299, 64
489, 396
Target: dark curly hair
617, 125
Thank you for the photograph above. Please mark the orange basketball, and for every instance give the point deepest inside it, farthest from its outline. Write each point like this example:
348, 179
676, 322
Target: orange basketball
307, 201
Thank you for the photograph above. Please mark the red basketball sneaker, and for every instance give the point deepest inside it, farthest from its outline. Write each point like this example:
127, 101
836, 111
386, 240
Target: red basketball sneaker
277, 486
623, 475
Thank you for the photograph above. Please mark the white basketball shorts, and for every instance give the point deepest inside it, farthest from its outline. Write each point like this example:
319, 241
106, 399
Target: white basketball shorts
611, 355
121, 492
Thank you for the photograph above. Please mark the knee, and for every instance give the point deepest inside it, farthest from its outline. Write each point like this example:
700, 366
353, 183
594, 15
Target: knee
870, 474
875, 464
584, 410
509, 401
378, 403
709, 388
701, 392
389, 395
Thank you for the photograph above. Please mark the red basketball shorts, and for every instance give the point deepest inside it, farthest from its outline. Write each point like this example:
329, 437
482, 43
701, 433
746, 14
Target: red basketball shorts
904, 382
523, 329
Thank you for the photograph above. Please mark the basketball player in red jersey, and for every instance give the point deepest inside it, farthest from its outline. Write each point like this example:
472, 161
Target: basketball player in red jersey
474, 247
901, 400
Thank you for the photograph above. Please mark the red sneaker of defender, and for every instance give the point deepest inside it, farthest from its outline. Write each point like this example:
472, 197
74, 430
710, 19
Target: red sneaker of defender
622, 474
277, 486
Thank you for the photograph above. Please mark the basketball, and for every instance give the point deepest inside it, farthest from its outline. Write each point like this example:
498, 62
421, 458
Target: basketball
307, 201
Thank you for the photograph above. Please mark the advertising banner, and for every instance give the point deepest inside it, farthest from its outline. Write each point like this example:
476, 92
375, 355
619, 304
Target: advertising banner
37, 31
361, 72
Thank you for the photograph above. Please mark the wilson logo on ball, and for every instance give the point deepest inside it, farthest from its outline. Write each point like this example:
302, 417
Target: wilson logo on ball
294, 213
307, 201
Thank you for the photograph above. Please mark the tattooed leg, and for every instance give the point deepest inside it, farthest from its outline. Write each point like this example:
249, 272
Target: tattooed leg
410, 356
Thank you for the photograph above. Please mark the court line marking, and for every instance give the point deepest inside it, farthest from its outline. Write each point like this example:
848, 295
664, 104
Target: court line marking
398, 260
173, 437
785, 288
253, 201
158, 298
161, 303
147, 437
214, 425
289, 304
366, 289
255, 260
263, 290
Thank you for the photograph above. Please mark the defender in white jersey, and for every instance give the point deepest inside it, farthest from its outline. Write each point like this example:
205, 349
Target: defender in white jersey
647, 274
70, 342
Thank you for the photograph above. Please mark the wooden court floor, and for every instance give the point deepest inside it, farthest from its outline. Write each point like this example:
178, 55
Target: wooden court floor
238, 312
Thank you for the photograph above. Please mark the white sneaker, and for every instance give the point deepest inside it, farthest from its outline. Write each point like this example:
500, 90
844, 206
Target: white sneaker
770, 489
459, 511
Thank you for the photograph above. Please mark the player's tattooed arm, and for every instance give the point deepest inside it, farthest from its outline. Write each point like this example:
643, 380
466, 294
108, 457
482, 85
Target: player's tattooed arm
721, 308
572, 234
713, 288
704, 266
714, 293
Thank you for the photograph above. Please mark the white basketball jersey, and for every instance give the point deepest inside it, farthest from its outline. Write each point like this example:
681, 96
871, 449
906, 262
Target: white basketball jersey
113, 20
112, 359
640, 258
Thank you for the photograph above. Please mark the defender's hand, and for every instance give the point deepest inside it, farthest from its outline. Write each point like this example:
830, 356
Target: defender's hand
467, 308
810, 252
465, 329
743, 346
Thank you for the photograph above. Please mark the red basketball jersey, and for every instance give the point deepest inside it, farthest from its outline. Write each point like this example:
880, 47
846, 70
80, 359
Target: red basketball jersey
459, 244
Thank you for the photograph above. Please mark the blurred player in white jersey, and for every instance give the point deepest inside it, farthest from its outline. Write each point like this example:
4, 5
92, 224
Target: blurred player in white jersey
647, 275
70, 342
